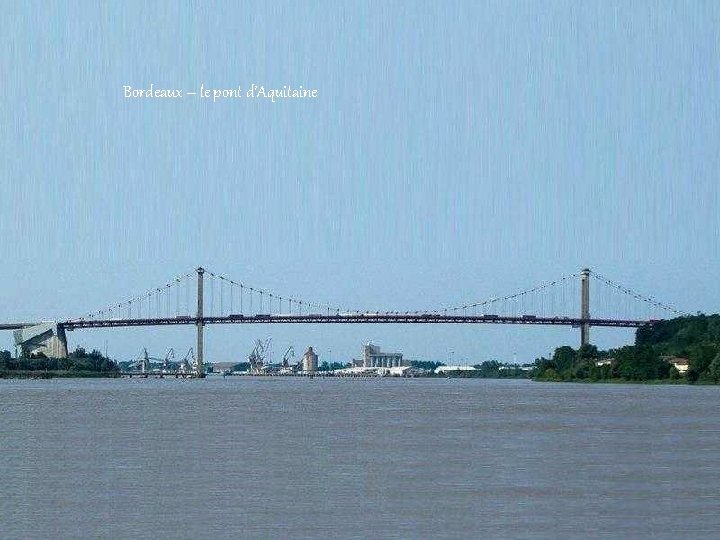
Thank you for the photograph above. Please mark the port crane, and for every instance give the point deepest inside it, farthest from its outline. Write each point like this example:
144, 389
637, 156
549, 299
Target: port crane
289, 353
188, 361
260, 355
144, 362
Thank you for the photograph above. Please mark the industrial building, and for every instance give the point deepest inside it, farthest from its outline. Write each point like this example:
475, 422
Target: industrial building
310, 360
374, 357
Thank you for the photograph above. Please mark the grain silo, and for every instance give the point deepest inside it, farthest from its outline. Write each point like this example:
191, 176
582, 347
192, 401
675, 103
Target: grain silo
310, 360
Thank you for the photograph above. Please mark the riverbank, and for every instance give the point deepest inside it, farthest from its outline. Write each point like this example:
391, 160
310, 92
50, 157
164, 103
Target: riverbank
684, 350
682, 381
58, 374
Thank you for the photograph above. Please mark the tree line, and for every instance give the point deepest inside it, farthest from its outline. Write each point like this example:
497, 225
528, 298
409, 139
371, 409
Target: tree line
490, 369
78, 363
657, 347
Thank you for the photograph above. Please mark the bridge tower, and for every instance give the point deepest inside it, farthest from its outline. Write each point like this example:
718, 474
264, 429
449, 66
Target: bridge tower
47, 338
584, 306
200, 372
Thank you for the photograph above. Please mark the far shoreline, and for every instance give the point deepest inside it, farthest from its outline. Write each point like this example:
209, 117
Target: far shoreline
56, 374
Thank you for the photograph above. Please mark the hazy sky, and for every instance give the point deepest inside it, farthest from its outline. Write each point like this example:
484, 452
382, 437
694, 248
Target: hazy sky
456, 151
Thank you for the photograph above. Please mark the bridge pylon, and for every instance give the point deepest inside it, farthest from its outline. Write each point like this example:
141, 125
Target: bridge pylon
200, 371
47, 338
584, 306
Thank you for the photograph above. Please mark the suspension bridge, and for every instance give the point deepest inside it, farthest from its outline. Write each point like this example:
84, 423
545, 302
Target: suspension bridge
201, 297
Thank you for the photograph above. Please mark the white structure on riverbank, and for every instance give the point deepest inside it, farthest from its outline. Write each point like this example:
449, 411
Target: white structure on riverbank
453, 369
398, 371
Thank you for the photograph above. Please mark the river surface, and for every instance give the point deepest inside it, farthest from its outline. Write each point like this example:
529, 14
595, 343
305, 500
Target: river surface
339, 458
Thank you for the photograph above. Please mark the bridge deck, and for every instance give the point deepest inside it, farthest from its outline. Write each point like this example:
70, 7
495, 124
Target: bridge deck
355, 318
17, 325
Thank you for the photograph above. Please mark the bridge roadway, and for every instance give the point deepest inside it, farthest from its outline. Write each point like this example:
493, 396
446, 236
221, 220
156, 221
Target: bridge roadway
16, 326
346, 318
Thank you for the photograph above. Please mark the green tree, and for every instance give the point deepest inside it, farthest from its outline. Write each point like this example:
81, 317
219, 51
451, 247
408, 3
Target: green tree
5, 360
714, 369
489, 369
423, 364
641, 363
587, 352
564, 358
700, 356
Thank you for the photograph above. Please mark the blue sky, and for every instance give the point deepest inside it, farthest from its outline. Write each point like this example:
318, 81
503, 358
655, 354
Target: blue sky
456, 151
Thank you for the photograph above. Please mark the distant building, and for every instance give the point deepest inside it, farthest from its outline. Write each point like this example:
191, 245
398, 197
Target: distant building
604, 362
222, 366
374, 357
681, 364
452, 369
407, 371
515, 367
401, 371
310, 360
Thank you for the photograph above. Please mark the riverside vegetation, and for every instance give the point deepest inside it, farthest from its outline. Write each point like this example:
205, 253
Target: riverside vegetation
79, 363
695, 338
